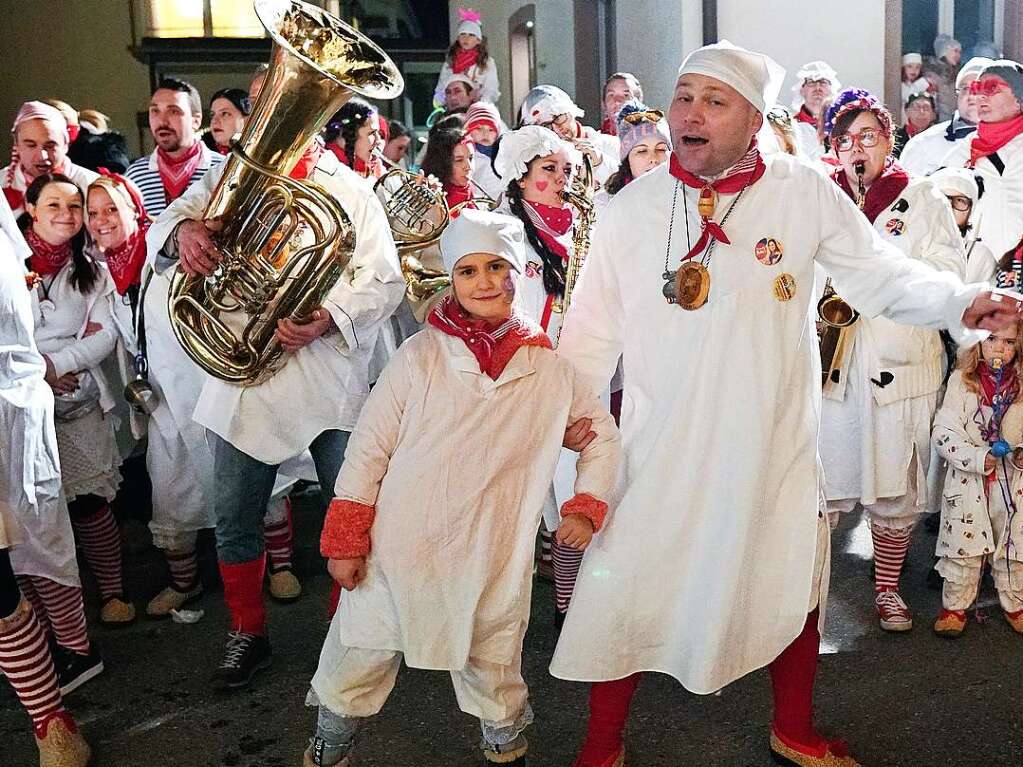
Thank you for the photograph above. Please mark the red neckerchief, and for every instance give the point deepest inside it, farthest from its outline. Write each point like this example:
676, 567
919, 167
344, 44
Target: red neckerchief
911, 130
464, 60
125, 262
72, 133
46, 258
804, 115
744, 173
176, 172
16, 197
551, 223
456, 195
1009, 388
492, 346
883, 192
304, 167
222, 148
608, 127
990, 137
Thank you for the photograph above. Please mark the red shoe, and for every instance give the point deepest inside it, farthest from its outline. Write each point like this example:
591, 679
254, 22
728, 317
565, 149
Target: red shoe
615, 760
829, 753
892, 611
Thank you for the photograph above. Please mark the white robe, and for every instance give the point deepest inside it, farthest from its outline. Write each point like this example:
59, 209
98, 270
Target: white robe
323, 385
450, 571
870, 434
706, 567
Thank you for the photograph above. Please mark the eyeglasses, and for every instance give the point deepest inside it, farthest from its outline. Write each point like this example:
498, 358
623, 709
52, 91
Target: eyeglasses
960, 203
989, 87
866, 138
559, 121
816, 83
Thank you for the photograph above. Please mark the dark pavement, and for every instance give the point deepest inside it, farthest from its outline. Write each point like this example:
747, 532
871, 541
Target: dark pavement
910, 699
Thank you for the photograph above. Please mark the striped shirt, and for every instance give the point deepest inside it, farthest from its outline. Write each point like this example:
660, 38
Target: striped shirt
145, 173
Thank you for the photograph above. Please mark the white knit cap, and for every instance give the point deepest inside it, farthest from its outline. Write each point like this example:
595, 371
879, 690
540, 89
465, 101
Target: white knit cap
972, 69
755, 76
519, 147
481, 231
471, 22
956, 181
545, 102
912, 58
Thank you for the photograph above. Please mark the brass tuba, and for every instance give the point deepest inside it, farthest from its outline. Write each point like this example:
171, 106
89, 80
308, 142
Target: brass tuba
284, 242
835, 317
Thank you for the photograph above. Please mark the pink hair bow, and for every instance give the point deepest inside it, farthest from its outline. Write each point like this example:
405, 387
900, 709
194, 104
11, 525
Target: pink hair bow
468, 14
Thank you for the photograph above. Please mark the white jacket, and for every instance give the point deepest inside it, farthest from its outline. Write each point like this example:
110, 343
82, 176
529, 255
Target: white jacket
323, 385
999, 214
925, 152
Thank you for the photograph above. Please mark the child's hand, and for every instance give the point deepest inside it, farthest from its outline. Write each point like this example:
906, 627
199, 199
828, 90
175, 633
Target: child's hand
348, 573
575, 531
990, 462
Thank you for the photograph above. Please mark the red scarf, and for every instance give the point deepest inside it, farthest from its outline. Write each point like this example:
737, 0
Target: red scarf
608, 127
744, 173
222, 148
464, 60
456, 195
363, 168
804, 115
126, 260
176, 172
46, 258
990, 137
552, 223
493, 346
883, 192
16, 197
988, 381
307, 161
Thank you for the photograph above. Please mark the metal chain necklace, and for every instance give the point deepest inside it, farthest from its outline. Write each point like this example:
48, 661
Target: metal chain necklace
689, 285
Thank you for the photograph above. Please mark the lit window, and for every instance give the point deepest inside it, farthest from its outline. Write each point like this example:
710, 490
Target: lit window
203, 18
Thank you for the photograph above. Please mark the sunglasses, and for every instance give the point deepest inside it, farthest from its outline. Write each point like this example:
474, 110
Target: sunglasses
988, 87
866, 138
960, 203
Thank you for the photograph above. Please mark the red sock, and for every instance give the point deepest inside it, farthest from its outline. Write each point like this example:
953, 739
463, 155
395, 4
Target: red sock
609, 709
184, 569
279, 541
890, 547
243, 592
792, 677
566, 569
25, 661
66, 613
101, 540
29, 592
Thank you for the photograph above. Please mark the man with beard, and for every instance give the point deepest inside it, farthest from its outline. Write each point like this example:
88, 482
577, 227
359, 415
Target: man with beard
180, 158
925, 152
41, 140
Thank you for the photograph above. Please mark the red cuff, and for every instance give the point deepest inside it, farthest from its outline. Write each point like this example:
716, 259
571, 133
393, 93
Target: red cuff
588, 506
346, 529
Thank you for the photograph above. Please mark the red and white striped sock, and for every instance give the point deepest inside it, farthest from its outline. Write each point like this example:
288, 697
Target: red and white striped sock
546, 538
890, 548
566, 570
29, 592
184, 569
101, 540
25, 661
66, 612
279, 541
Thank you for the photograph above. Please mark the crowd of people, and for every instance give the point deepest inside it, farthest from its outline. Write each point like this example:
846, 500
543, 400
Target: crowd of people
598, 415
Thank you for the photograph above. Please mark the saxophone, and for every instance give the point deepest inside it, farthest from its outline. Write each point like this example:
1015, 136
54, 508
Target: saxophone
285, 243
580, 197
835, 317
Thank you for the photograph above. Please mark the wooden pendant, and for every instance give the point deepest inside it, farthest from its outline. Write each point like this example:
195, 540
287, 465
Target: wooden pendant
692, 285
706, 202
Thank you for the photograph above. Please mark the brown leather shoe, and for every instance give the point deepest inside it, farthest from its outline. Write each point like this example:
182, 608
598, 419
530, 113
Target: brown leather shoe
116, 612
950, 623
60, 744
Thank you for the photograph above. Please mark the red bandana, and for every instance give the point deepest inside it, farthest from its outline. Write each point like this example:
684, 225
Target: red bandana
744, 173
456, 195
804, 115
883, 192
222, 149
176, 172
492, 346
990, 137
552, 223
988, 381
608, 127
126, 260
307, 161
46, 258
14, 197
463, 60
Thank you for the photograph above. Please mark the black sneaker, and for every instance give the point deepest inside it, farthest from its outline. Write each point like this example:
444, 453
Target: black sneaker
75, 669
244, 655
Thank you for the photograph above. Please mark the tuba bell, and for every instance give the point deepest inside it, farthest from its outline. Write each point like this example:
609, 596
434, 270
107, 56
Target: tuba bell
284, 242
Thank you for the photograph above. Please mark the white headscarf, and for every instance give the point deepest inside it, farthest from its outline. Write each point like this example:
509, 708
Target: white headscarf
755, 76
544, 103
814, 70
481, 231
519, 147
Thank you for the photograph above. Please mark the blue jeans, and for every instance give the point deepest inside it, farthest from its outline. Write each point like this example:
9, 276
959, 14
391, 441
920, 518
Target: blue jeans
244, 486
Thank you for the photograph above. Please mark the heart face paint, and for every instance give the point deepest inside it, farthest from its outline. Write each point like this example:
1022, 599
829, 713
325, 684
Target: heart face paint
542, 185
